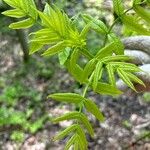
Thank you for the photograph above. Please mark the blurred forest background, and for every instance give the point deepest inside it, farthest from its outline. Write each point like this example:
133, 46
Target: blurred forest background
25, 82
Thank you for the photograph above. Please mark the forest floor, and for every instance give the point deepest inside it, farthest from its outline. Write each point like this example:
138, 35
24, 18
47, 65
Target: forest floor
127, 116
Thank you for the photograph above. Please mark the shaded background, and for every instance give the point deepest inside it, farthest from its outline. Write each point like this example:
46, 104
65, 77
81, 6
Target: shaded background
25, 82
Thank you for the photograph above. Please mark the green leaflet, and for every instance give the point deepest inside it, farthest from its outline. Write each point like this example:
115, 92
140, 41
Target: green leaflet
62, 22
148, 2
46, 40
79, 116
116, 58
67, 116
58, 32
104, 88
97, 74
57, 19
42, 37
23, 8
23, 5
114, 47
130, 68
81, 143
125, 78
135, 78
76, 145
74, 58
63, 56
67, 97
132, 24
16, 13
111, 75
54, 49
124, 65
118, 7
65, 132
88, 69
82, 135
106, 51
74, 20
92, 108
76, 71
78, 132
87, 124
85, 30
137, 2
86, 53
11, 3
22, 24
95, 24
34, 47
70, 142
32, 7
142, 12
119, 47
43, 32
45, 20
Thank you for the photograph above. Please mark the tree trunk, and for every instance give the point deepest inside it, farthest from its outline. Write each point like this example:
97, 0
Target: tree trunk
21, 35
24, 44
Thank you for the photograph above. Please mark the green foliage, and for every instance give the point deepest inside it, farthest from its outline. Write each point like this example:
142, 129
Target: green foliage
33, 127
17, 136
144, 135
11, 117
146, 97
22, 119
64, 38
11, 94
60, 32
127, 124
